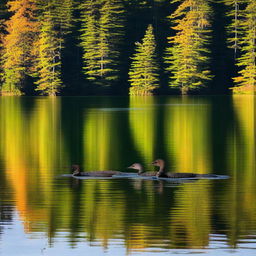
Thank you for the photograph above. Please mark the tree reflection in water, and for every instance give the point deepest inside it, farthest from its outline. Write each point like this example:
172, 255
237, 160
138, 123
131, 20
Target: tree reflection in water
41, 137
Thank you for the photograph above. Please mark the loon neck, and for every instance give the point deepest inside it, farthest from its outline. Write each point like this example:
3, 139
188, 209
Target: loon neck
161, 169
76, 169
140, 170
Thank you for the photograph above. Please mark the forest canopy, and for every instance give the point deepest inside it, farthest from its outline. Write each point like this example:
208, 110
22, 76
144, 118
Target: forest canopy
137, 47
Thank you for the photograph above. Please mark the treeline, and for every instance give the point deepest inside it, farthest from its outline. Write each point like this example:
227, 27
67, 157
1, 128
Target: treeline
139, 47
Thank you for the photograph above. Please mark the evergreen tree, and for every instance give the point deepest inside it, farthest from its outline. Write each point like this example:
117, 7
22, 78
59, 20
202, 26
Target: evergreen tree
90, 38
246, 81
55, 17
101, 38
21, 31
61, 13
234, 26
48, 63
187, 54
144, 68
111, 33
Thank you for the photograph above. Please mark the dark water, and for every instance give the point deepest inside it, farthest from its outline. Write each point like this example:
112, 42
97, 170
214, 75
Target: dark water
45, 214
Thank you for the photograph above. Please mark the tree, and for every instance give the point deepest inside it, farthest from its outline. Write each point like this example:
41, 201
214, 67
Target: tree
21, 29
89, 38
143, 74
61, 13
3, 17
187, 54
48, 63
101, 38
234, 26
55, 17
110, 38
246, 81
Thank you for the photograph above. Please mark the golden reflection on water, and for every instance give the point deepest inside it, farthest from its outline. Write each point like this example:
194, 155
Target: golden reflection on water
143, 213
100, 140
240, 216
187, 131
13, 134
142, 120
46, 141
191, 215
31, 150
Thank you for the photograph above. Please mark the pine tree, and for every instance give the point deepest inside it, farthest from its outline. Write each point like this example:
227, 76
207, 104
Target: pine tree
143, 74
21, 31
48, 63
187, 54
90, 38
101, 38
61, 13
111, 33
234, 26
55, 18
246, 81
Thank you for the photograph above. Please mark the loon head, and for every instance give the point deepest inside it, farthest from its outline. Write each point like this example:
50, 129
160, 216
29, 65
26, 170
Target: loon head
137, 166
75, 169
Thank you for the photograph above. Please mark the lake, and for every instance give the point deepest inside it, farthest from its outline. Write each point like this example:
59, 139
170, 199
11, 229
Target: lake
44, 213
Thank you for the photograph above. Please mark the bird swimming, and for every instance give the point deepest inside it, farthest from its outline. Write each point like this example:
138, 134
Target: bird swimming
77, 172
162, 174
141, 172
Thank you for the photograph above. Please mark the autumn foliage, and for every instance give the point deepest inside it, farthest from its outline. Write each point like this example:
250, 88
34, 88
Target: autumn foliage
21, 30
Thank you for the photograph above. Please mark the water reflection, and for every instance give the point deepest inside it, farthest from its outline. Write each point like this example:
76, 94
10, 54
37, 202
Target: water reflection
41, 137
143, 120
191, 215
187, 132
101, 140
239, 195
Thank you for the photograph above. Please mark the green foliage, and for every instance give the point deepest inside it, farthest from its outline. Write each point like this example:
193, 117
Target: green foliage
234, 28
61, 12
49, 63
55, 18
101, 38
63, 15
144, 69
187, 53
246, 81
89, 38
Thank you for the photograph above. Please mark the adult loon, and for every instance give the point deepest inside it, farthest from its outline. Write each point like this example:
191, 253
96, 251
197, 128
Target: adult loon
141, 172
162, 174
77, 172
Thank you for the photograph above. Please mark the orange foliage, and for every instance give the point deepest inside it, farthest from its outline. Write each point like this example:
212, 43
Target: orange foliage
21, 29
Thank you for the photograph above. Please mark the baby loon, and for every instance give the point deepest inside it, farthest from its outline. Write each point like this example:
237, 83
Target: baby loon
161, 173
77, 172
141, 172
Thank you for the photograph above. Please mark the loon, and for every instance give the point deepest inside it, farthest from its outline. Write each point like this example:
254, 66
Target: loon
77, 172
162, 174
141, 172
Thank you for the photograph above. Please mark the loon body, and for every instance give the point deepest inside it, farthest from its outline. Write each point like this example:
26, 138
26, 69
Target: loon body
77, 172
162, 174
141, 172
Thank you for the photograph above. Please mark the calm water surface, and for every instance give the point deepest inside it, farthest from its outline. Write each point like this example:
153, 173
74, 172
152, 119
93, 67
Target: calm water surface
42, 213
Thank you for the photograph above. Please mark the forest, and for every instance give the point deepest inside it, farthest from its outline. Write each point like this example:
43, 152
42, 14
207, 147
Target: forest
127, 47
